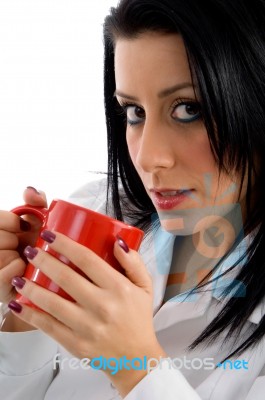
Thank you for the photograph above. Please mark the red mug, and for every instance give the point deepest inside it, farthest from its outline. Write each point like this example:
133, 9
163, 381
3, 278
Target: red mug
96, 231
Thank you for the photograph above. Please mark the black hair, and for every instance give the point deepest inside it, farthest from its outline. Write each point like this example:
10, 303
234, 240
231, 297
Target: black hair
225, 44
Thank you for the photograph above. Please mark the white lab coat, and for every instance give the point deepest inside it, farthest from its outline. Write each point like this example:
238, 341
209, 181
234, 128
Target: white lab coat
27, 366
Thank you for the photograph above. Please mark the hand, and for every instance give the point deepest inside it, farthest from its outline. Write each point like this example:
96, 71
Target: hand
112, 313
15, 233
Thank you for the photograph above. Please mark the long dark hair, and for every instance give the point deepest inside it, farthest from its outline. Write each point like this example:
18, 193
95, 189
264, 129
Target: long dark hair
225, 44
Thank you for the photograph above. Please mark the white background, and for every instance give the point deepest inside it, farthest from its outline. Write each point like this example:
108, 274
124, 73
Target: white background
52, 125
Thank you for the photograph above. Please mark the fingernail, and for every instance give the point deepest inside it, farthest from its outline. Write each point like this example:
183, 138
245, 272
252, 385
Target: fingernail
33, 188
24, 225
18, 282
14, 306
48, 236
122, 244
30, 252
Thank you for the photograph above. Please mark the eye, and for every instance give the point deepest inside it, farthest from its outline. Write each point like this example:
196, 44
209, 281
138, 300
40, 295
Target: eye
186, 111
134, 114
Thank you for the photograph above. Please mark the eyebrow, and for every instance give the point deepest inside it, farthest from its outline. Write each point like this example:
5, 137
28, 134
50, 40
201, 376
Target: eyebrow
164, 93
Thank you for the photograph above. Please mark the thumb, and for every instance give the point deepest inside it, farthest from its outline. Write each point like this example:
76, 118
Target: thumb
133, 265
34, 197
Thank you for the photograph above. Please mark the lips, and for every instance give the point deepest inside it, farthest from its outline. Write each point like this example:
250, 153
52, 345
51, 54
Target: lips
166, 199
171, 193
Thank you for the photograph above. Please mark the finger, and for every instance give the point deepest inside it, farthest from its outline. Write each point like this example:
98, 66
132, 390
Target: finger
12, 223
78, 287
133, 265
34, 197
8, 240
61, 333
94, 267
67, 312
43, 321
8, 256
14, 268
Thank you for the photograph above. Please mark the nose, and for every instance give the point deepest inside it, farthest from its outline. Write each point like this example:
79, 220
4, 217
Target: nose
155, 149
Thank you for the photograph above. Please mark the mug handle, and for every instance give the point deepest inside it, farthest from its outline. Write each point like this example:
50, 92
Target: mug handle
39, 212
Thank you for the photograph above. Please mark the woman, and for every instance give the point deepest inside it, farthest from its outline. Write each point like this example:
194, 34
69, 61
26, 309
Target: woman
184, 107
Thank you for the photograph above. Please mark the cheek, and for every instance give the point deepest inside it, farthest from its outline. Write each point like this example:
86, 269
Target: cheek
201, 155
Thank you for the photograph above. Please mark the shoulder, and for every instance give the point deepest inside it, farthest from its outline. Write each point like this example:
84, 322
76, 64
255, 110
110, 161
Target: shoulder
92, 195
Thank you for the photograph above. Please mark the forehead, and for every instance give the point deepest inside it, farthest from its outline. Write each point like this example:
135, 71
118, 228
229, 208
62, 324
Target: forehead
158, 57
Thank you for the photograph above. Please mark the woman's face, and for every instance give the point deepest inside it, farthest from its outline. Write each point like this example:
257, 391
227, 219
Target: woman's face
166, 137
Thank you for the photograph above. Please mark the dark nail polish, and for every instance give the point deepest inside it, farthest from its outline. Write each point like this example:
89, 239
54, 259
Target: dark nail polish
48, 236
33, 188
122, 244
18, 282
24, 225
14, 306
30, 252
